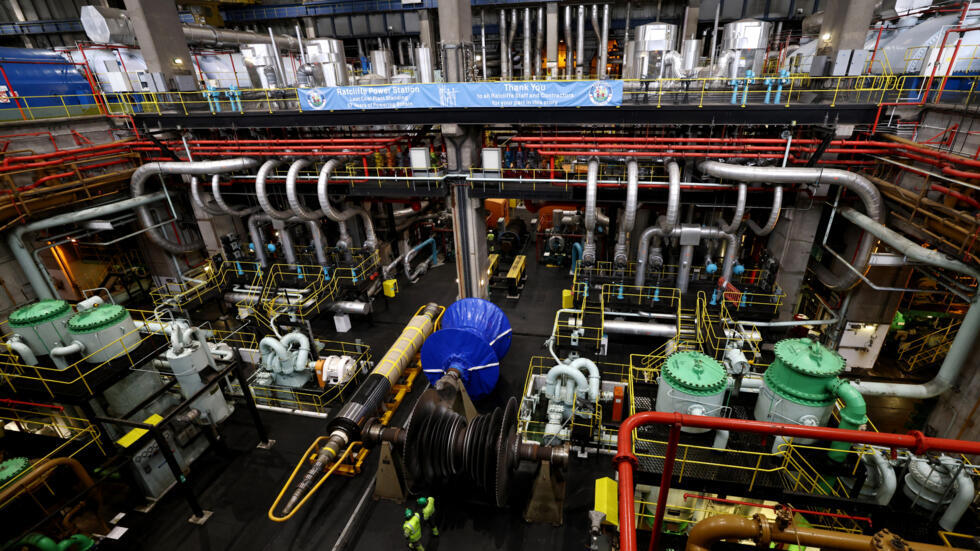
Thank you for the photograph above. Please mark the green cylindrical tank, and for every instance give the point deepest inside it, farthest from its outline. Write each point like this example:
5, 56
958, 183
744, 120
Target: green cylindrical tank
107, 331
42, 325
691, 383
801, 387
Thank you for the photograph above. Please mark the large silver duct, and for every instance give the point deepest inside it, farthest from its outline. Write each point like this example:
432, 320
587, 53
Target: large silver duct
739, 210
40, 281
504, 47
669, 222
234, 211
604, 43
539, 44
643, 251
256, 235
138, 182
864, 189
105, 25
961, 347
777, 206
510, 43
591, 191
620, 256
199, 200
569, 55
295, 203
371, 240
526, 64
639, 328
580, 44
261, 193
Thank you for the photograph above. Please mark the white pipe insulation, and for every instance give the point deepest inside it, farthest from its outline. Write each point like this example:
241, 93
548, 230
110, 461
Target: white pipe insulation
620, 254
861, 186
261, 193
371, 241
673, 197
591, 191
143, 173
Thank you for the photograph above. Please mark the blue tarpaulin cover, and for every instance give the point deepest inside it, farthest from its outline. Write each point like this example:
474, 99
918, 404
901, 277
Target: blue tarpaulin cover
475, 335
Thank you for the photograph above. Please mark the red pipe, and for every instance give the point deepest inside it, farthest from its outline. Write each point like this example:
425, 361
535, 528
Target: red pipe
953, 193
35, 404
625, 460
793, 509
50, 177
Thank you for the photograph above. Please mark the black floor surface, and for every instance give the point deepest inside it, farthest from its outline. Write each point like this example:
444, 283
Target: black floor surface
240, 484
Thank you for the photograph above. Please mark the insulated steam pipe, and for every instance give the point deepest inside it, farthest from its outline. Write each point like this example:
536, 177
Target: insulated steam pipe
319, 242
673, 197
960, 349
887, 481
370, 396
296, 203
620, 256
511, 33
569, 55
625, 460
604, 42
580, 44
526, 64
777, 206
739, 210
592, 181
40, 280
234, 211
371, 239
539, 44
258, 243
504, 46
199, 201
864, 189
260, 190
138, 182
643, 251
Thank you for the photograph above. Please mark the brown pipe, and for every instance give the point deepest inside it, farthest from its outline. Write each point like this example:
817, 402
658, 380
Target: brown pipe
40, 470
764, 532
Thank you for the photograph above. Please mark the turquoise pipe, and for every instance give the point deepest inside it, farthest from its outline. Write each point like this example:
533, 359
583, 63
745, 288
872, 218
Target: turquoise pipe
852, 415
576, 254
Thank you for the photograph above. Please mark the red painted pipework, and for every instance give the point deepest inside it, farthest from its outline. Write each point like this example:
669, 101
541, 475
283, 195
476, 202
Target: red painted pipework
626, 461
793, 509
35, 404
50, 177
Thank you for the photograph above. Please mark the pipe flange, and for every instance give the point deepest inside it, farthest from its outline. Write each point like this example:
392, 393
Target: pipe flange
885, 540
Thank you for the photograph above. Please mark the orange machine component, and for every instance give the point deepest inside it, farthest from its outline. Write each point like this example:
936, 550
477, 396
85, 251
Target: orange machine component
545, 220
617, 410
496, 209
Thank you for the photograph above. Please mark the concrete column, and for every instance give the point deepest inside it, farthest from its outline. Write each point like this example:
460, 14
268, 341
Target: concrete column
309, 27
552, 40
469, 226
845, 23
455, 38
790, 243
19, 16
160, 37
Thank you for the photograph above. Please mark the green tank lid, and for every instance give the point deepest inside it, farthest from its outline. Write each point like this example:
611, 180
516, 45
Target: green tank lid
803, 371
97, 319
39, 312
694, 373
12, 468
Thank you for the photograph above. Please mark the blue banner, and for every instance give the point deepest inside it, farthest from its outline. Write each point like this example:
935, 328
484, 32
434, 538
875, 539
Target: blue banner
574, 93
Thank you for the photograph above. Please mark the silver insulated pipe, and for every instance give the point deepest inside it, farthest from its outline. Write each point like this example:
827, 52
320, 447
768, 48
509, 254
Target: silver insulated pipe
371, 240
580, 44
504, 46
539, 44
261, 193
526, 65
569, 55
604, 42
138, 183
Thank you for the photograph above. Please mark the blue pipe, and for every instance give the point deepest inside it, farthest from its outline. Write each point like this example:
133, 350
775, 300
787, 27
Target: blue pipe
576, 254
430, 242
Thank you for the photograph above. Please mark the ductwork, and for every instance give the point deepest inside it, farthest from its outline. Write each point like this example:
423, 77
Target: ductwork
511, 33
731, 251
138, 181
526, 64
260, 190
864, 189
669, 222
105, 25
604, 42
777, 206
371, 240
569, 55
580, 44
639, 328
256, 235
504, 47
199, 201
722, 68
40, 280
620, 256
234, 211
292, 195
675, 61
739, 211
591, 190
959, 350
539, 44
884, 475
